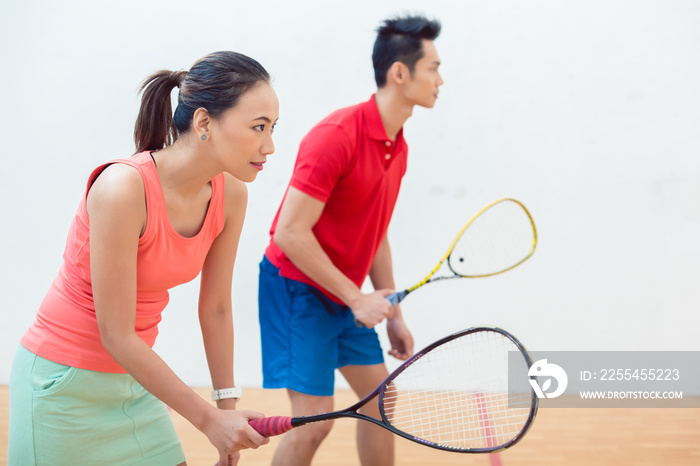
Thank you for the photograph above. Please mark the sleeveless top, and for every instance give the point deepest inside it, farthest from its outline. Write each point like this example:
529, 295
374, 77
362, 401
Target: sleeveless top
65, 330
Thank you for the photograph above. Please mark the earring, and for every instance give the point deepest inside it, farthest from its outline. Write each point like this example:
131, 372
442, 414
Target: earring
203, 137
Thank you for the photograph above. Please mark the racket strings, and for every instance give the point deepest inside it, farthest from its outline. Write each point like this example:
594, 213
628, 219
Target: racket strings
457, 394
474, 416
498, 239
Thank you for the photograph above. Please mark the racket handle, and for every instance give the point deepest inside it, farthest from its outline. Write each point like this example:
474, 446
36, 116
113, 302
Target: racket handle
274, 425
396, 298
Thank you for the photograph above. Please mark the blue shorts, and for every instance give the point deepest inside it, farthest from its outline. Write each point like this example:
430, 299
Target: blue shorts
306, 336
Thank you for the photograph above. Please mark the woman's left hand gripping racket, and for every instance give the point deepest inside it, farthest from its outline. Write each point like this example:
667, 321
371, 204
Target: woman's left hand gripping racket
453, 395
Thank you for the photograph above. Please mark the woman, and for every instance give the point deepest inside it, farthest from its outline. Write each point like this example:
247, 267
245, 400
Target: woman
86, 384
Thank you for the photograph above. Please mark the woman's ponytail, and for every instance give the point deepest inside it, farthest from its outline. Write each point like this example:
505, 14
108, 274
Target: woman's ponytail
154, 125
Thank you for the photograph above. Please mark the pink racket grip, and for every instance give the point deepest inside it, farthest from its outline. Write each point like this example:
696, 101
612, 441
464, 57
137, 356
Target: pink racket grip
274, 425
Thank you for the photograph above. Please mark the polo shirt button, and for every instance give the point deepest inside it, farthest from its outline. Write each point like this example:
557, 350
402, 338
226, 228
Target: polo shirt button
387, 156
388, 143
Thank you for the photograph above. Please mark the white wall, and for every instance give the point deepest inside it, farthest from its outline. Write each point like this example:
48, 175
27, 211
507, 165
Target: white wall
587, 111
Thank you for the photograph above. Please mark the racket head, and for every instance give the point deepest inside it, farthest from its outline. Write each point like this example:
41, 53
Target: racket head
454, 394
498, 238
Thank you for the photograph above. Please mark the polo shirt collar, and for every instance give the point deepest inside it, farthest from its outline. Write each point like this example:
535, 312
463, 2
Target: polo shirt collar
375, 126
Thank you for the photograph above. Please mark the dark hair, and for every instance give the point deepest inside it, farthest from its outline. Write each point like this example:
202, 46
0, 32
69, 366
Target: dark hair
215, 82
399, 39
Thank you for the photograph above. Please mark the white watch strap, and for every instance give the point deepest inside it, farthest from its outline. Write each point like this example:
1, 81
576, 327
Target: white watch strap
224, 393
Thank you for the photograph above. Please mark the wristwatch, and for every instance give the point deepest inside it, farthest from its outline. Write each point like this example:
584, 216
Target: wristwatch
225, 393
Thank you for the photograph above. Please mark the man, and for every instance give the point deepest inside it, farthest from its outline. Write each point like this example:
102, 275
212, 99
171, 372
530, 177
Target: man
330, 233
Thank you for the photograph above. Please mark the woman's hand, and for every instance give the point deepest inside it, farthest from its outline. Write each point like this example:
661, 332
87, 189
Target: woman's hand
229, 431
228, 460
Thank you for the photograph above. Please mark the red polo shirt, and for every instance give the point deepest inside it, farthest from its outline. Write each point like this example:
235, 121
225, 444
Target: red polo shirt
348, 162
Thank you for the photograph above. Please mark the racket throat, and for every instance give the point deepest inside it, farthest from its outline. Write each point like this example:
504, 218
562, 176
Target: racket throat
300, 421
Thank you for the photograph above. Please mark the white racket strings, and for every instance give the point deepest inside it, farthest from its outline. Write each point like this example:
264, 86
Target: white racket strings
457, 394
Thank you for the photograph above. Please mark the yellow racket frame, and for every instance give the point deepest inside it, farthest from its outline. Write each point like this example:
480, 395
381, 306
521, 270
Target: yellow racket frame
449, 251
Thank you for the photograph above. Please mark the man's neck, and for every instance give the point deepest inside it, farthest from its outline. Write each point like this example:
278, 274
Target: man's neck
393, 110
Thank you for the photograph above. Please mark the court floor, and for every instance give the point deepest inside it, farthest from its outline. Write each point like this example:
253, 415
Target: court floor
559, 436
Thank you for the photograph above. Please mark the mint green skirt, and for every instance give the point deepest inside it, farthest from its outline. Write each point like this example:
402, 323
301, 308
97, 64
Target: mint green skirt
61, 415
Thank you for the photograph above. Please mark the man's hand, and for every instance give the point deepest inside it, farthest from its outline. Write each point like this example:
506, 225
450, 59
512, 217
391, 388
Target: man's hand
400, 338
371, 309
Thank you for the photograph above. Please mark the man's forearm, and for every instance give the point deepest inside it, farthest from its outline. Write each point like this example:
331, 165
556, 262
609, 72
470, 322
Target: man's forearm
382, 272
306, 253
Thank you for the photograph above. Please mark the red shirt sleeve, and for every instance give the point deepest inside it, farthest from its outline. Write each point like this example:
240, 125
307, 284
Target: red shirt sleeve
325, 156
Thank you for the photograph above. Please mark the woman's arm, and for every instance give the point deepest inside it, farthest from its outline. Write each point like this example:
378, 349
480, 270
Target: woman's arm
215, 308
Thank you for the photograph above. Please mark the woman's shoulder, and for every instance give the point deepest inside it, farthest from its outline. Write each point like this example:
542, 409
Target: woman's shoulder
119, 175
235, 194
234, 187
116, 183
